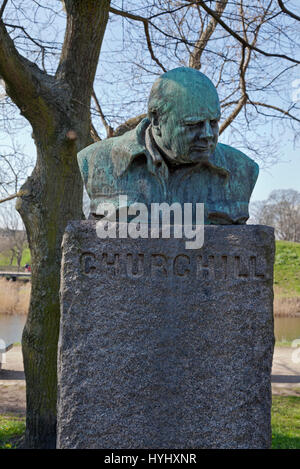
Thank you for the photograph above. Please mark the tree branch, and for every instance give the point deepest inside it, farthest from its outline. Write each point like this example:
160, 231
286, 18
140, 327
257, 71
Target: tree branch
239, 38
86, 21
287, 12
25, 83
270, 106
245, 60
3, 8
108, 128
243, 100
94, 134
10, 197
145, 22
14, 26
195, 58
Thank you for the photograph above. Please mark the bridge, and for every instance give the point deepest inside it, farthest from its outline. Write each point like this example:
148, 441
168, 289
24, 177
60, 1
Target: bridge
23, 276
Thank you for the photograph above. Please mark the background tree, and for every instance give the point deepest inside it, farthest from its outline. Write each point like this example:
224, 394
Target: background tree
14, 239
282, 211
14, 166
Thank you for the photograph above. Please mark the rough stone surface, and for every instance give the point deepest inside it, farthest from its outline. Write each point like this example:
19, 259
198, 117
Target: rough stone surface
163, 347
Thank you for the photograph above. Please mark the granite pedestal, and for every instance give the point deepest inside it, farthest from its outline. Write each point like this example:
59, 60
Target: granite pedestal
163, 347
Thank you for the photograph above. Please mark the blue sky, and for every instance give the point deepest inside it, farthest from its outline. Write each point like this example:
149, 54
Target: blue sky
283, 175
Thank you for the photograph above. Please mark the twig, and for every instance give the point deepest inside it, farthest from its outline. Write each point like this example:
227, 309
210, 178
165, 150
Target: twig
145, 22
240, 39
18, 194
195, 58
94, 134
270, 106
108, 128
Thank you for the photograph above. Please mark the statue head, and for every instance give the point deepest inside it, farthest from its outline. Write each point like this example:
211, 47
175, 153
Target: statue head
184, 111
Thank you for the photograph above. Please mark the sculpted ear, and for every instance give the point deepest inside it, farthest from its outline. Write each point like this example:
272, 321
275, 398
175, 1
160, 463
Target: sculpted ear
154, 118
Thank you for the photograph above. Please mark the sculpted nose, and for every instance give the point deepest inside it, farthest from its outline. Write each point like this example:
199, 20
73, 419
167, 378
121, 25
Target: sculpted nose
207, 130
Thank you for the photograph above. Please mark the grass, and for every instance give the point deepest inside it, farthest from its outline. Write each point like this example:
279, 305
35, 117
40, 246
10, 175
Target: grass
286, 422
285, 425
287, 269
12, 429
283, 343
5, 258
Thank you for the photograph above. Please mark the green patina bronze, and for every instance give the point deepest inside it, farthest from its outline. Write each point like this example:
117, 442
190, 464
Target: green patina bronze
173, 155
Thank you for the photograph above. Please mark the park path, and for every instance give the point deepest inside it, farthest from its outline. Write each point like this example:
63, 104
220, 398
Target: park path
285, 378
286, 371
12, 383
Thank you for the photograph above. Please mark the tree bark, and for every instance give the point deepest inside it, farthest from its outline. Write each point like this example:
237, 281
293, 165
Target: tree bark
54, 198
58, 109
12, 259
205, 35
19, 259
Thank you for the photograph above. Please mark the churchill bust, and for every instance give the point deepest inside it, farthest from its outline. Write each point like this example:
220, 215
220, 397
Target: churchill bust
173, 155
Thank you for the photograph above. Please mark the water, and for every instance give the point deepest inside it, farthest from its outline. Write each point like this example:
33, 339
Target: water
11, 328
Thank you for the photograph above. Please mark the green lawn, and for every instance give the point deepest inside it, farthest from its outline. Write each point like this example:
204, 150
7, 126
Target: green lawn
285, 425
287, 269
11, 429
5, 258
286, 422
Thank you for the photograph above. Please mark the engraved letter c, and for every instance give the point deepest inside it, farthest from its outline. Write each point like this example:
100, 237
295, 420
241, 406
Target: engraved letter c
181, 272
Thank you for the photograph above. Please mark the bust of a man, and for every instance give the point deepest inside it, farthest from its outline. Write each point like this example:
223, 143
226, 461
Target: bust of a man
174, 155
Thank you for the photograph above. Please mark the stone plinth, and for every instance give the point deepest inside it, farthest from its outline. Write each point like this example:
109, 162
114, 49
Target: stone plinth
163, 347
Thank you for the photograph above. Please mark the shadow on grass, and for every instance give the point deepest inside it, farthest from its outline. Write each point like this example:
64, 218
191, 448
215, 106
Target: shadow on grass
285, 442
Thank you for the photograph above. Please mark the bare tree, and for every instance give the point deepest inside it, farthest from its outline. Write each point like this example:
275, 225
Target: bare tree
15, 166
4, 242
247, 48
282, 211
13, 232
14, 169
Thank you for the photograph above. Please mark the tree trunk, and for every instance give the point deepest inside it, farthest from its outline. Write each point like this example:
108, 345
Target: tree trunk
19, 258
12, 258
58, 109
54, 196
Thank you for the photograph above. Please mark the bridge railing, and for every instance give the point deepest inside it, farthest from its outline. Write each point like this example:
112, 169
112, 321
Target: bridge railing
11, 268
23, 276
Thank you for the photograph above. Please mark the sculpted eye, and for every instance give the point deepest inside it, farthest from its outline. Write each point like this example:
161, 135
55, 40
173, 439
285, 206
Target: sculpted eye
194, 124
